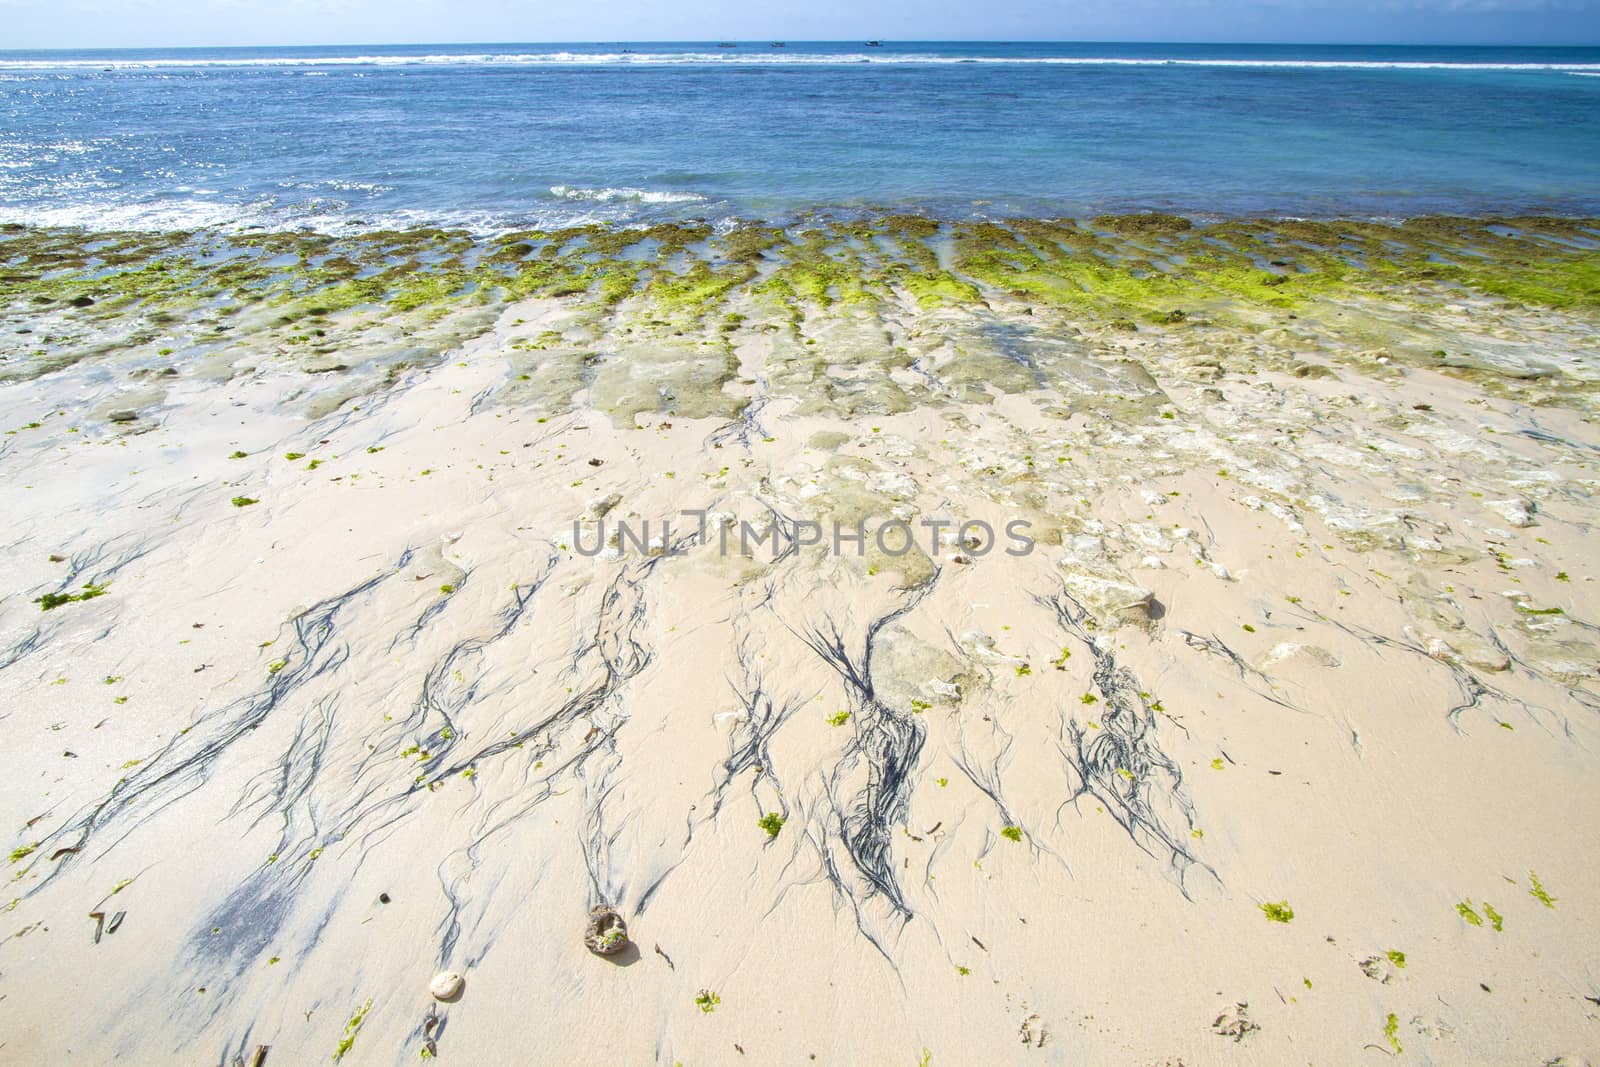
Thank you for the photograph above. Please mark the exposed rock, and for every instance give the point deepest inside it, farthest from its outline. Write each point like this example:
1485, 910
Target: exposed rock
1517, 512
1472, 652
1107, 597
827, 440
907, 670
607, 934
601, 506
1288, 651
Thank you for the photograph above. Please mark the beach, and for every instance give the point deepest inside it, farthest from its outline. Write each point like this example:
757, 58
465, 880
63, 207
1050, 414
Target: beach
376, 604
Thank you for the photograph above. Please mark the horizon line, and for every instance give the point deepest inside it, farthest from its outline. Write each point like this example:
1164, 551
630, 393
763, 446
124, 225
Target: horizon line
819, 40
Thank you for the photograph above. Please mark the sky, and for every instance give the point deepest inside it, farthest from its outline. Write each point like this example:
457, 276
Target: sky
28, 24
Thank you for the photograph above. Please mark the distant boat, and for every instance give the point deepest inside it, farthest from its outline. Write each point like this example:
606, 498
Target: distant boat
726, 44
779, 44
874, 44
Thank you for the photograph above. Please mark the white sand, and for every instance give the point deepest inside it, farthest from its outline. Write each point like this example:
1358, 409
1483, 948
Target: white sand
1354, 698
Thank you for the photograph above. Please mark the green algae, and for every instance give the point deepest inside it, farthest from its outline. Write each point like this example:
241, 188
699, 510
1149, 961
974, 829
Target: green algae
1391, 1031
1568, 284
749, 242
351, 1029
1279, 912
1011, 833
1537, 891
707, 1000
830, 295
1151, 222
1139, 266
771, 822
820, 270
697, 291
933, 288
916, 227
422, 289
51, 601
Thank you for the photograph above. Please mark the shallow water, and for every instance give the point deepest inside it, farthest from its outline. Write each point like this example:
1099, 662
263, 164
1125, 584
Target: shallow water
493, 137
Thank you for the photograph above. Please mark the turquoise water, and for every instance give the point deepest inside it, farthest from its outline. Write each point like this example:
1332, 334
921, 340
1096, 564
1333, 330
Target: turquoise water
503, 136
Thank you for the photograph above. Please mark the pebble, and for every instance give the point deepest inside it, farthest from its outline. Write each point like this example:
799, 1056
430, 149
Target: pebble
446, 985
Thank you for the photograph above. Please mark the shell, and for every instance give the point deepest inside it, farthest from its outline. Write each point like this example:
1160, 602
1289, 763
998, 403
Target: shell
602, 936
446, 985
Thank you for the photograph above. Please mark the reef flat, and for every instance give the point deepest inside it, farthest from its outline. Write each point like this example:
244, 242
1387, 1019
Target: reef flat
377, 605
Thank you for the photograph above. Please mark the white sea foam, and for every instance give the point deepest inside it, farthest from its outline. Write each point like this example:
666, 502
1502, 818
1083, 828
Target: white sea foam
172, 214
760, 57
338, 185
329, 216
608, 195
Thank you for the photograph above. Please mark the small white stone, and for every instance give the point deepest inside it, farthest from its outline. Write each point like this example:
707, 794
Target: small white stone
446, 985
1518, 513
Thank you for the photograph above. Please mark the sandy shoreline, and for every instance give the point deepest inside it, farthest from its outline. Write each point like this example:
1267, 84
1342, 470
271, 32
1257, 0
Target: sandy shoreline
1308, 628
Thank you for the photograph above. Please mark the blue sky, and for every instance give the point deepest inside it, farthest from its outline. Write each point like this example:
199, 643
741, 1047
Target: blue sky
156, 23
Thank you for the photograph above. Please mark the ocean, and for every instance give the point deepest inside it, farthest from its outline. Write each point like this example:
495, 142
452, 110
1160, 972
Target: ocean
499, 137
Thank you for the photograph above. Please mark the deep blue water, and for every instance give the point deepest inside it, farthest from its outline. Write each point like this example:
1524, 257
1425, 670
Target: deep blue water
492, 136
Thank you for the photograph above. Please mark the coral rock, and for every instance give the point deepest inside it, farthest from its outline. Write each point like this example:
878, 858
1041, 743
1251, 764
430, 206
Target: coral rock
607, 934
